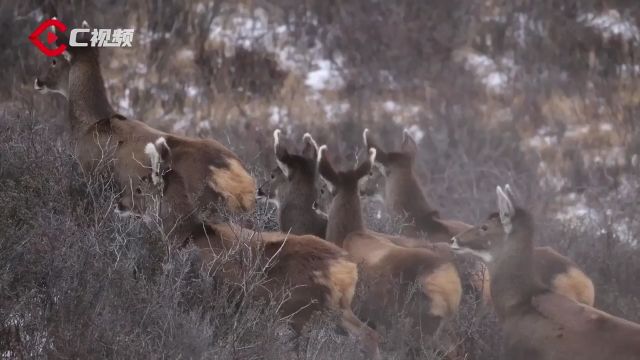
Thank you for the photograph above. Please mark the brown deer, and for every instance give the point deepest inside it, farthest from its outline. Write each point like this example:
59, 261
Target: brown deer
405, 197
387, 264
555, 270
317, 274
207, 170
293, 187
537, 322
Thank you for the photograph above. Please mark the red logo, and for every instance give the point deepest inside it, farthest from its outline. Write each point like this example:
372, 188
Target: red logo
51, 37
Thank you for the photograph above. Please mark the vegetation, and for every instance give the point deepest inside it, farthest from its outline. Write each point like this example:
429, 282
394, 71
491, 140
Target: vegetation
77, 281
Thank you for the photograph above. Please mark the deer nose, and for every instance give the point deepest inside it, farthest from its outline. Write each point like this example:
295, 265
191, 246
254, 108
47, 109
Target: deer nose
38, 84
260, 192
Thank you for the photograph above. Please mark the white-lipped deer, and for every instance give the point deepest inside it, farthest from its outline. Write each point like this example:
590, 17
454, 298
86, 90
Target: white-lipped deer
389, 265
207, 171
293, 185
537, 322
403, 193
317, 274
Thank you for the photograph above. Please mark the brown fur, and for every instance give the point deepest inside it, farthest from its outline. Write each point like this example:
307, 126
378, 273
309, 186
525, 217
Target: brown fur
404, 195
297, 191
538, 323
575, 285
552, 269
386, 264
235, 185
445, 290
207, 172
318, 273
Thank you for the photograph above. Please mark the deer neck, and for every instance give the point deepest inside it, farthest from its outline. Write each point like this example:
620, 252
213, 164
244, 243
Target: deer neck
345, 215
406, 197
88, 102
297, 205
512, 278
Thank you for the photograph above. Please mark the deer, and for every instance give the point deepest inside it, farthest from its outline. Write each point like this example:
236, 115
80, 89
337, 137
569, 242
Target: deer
318, 275
207, 170
436, 278
537, 322
403, 192
404, 196
293, 187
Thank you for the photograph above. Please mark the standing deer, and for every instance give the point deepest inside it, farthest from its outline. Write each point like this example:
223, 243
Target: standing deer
293, 186
317, 274
207, 171
537, 322
437, 280
555, 270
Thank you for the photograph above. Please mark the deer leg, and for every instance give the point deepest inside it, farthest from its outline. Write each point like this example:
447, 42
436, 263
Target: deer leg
369, 338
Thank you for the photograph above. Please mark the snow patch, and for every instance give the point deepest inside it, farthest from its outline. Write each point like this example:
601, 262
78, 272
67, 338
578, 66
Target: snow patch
416, 132
326, 76
493, 75
611, 24
390, 106
543, 139
278, 115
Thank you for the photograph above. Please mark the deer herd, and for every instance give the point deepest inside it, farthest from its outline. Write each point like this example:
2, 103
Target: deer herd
543, 300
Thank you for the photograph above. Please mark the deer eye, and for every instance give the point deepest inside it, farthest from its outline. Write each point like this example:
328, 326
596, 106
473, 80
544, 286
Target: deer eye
273, 176
138, 191
322, 191
53, 62
484, 228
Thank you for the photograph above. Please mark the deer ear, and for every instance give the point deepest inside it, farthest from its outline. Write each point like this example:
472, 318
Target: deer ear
325, 168
159, 155
505, 209
281, 153
409, 145
370, 143
510, 193
310, 149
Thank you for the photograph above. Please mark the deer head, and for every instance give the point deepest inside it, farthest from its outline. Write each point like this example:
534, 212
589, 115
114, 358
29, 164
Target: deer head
54, 77
488, 239
345, 214
295, 176
395, 160
54, 74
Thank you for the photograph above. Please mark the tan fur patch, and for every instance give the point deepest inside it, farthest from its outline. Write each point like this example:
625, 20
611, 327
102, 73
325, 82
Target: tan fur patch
235, 185
444, 289
342, 279
575, 285
481, 280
